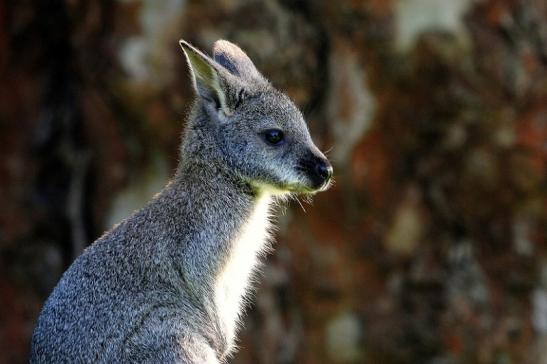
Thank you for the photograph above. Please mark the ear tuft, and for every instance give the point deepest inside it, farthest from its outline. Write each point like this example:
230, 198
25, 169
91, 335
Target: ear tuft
231, 57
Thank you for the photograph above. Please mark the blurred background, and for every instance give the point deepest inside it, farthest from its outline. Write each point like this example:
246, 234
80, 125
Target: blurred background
430, 248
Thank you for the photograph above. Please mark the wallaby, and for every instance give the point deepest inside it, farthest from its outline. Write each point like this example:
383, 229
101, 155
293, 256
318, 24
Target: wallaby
169, 283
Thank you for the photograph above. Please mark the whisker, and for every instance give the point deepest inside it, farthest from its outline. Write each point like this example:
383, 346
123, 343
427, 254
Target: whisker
300, 203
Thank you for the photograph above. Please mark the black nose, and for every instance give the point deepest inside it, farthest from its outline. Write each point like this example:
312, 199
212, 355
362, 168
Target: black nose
317, 168
323, 169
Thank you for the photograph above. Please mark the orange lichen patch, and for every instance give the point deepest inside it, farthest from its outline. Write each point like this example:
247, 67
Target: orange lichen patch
453, 343
498, 12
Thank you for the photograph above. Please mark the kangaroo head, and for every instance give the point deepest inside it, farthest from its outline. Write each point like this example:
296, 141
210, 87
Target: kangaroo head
258, 132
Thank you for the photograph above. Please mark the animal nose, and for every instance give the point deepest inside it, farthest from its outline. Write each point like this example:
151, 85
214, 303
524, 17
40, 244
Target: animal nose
317, 168
323, 169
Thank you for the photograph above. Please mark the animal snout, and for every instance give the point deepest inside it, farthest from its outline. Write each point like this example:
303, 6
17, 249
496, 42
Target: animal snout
318, 169
323, 170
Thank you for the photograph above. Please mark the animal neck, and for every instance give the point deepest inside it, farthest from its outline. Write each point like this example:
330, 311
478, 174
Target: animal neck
228, 234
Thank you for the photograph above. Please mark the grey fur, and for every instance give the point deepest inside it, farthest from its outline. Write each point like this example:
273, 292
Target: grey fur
148, 290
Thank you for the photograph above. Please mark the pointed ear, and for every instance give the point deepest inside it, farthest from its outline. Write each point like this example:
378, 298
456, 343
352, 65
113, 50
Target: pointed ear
235, 61
205, 76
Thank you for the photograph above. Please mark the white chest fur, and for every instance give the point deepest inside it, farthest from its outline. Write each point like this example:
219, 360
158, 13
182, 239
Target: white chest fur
234, 280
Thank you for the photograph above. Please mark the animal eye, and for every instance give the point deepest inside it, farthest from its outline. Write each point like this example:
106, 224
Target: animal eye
274, 136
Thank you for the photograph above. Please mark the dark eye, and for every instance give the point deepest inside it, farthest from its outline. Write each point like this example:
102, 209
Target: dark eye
274, 136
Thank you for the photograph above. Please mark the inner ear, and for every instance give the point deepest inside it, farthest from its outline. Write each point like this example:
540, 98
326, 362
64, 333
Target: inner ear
207, 78
233, 59
227, 63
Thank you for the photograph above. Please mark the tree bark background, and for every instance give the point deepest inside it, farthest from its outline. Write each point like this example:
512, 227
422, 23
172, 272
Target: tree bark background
430, 248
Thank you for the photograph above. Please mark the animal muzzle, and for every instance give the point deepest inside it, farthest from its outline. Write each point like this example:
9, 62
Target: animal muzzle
318, 170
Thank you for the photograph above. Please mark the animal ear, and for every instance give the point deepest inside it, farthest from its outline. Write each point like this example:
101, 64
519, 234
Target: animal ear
206, 77
235, 61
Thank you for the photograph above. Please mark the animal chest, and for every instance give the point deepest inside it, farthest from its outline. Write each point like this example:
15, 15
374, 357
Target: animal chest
236, 275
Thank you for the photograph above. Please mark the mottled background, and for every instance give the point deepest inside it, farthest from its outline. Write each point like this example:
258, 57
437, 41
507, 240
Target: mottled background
430, 248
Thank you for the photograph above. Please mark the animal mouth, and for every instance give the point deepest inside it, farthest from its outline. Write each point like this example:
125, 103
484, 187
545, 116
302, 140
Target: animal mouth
307, 188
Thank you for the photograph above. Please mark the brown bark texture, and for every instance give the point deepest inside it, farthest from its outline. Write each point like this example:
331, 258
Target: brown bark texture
430, 247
